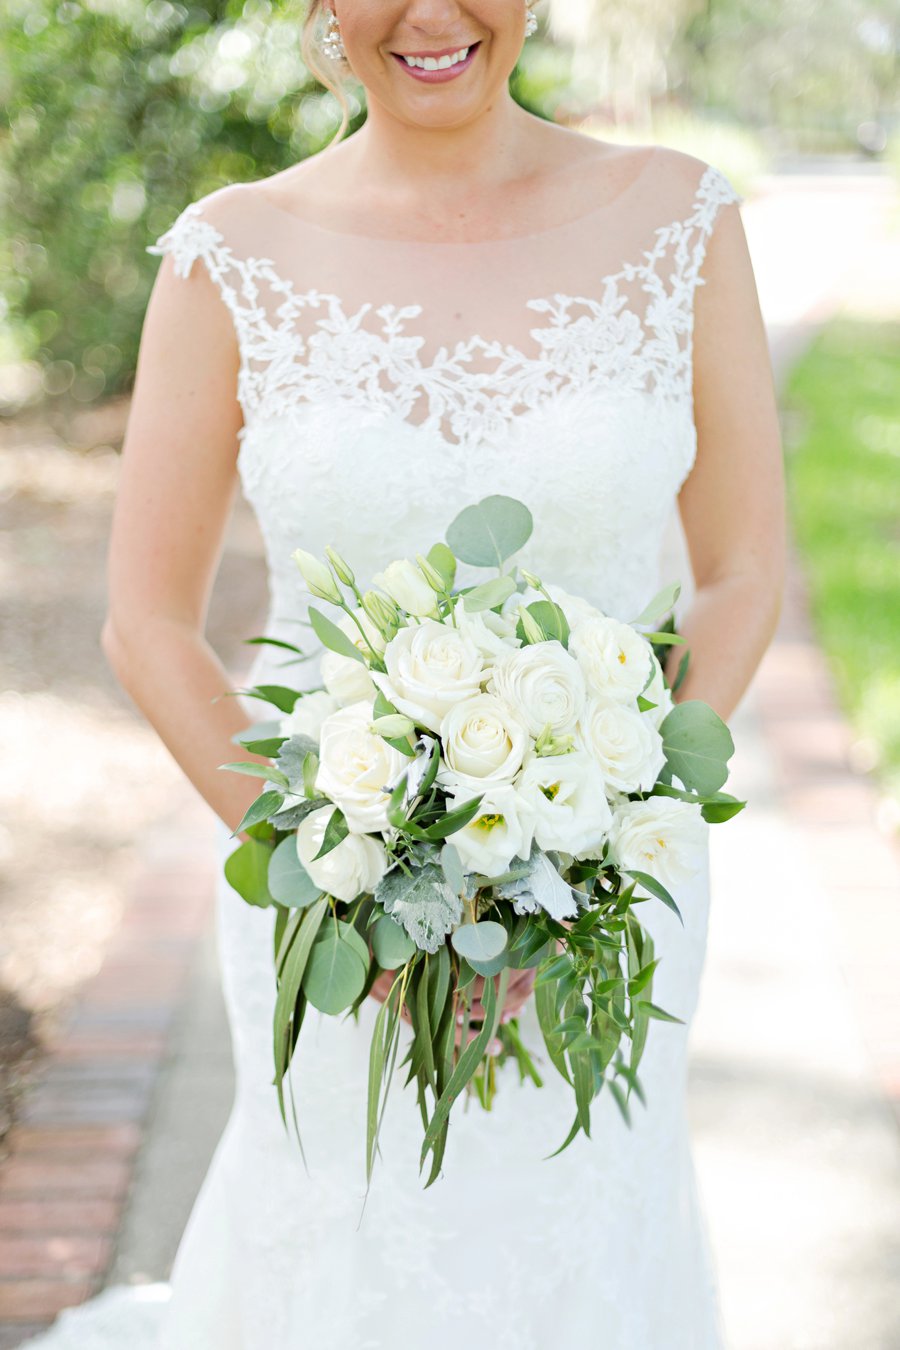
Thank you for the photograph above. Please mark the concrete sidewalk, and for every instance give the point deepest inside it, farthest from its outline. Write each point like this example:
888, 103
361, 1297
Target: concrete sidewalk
795, 1074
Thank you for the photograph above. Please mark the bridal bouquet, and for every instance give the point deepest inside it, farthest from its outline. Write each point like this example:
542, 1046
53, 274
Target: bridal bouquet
486, 782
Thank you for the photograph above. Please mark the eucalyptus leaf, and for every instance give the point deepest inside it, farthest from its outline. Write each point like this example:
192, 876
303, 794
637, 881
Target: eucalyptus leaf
246, 870
482, 941
334, 974
391, 944
697, 745
489, 532
289, 882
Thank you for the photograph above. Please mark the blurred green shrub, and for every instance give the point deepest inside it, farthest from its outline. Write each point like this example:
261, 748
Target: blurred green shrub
116, 113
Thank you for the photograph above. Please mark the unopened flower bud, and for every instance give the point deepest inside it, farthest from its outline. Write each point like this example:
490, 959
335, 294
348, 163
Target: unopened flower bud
531, 627
317, 576
534, 582
431, 575
342, 568
383, 613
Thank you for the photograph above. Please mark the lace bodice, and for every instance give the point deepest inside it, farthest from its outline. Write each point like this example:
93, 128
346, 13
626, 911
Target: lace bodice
384, 385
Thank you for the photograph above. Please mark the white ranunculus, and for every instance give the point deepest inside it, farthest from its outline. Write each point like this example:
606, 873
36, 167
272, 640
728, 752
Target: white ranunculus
430, 667
500, 832
483, 742
627, 747
308, 713
658, 693
357, 768
662, 836
404, 583
566, 795
543, 683
354, 867
493, 634
615, 658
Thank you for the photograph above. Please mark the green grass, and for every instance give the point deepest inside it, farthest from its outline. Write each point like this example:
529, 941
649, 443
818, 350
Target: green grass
842, 444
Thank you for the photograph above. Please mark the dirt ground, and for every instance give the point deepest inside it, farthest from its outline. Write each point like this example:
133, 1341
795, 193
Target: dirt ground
82, 775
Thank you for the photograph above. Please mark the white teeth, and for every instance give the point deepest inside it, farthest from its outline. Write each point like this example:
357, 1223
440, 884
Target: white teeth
435, 63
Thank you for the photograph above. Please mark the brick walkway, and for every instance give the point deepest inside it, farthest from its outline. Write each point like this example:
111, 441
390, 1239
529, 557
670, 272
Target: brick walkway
66, 1180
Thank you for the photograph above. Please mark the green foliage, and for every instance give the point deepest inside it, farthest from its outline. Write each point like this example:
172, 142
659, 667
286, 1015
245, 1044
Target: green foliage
843, 444
114, 116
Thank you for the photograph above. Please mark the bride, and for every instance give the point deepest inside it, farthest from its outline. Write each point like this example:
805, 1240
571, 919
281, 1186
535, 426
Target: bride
459, 299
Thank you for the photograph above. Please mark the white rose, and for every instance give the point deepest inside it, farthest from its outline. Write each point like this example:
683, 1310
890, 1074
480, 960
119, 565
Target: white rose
614, 657
357, 768
501, 830
404, 583
308, 714
355, 866
493, 634
430, 667
543, 683
658, 693
624, 743
662, 836
483, 742
566, 795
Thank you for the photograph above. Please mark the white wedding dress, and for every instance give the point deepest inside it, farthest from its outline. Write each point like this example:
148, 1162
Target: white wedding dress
372, 415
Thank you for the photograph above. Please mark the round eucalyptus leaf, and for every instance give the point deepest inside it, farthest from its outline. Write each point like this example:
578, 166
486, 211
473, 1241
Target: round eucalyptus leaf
480, 941
490, 967
335, 975
491, 531
289, 881
245, 871
351, 934
391, 944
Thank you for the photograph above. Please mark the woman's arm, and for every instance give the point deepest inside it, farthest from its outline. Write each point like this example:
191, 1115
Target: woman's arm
732, 504
176, 488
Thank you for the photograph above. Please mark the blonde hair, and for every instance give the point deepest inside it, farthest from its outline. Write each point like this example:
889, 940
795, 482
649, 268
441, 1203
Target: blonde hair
321, 66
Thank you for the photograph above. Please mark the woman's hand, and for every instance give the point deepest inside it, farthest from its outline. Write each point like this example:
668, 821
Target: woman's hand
521, 983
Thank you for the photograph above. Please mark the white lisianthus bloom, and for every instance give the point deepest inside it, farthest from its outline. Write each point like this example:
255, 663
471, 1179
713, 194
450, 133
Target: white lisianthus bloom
614, 657
544, 684
357, 768
501, 831
658, 693
627, 747
346, 679
308, 713
662, 836
574, 607
566, 795
430, 667
493, 634
404, 583
355, 866
483, 742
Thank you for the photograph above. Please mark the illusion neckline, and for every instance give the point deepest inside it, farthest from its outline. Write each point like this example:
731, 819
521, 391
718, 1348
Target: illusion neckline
441, 244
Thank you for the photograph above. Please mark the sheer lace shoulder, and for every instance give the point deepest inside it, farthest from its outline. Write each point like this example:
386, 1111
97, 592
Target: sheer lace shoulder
442, 334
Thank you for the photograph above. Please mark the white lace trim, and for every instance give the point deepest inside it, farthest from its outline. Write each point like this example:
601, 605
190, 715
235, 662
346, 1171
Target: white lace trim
586, 342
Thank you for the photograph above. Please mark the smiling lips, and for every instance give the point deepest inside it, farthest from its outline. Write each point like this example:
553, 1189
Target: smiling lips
438, 67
